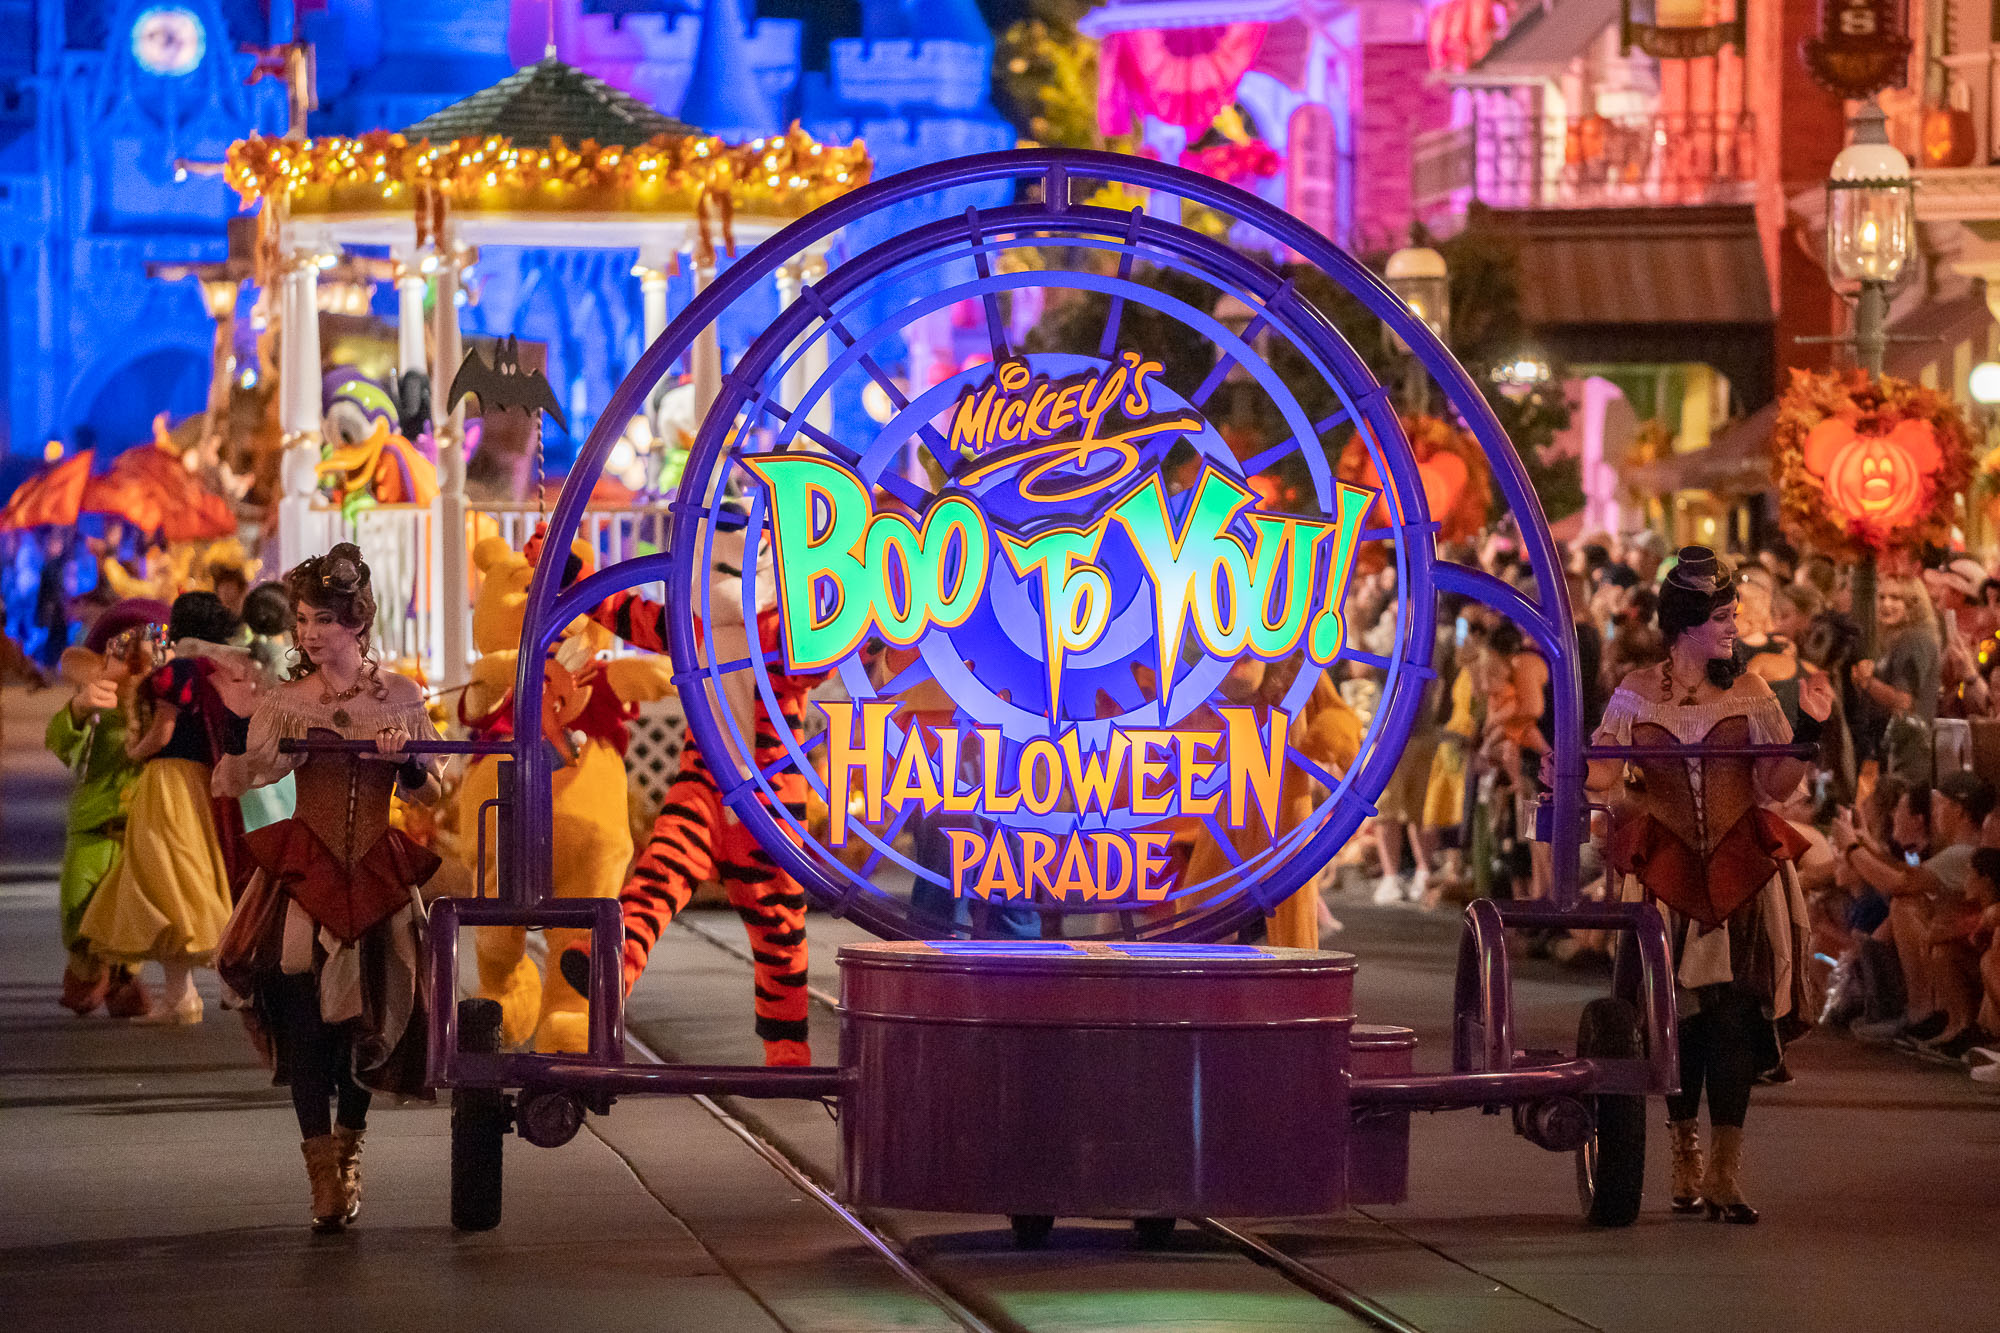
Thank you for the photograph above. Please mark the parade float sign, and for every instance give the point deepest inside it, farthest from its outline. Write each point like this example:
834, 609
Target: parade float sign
1033, 632
1061, 542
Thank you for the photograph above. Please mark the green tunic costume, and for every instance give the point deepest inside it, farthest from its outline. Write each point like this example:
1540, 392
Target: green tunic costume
94, 750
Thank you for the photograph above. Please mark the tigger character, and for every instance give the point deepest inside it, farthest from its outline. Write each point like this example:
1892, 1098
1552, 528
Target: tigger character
696, 840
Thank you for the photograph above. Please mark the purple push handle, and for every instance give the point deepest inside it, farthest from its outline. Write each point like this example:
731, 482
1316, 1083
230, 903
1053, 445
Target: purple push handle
341, 745
1701, 752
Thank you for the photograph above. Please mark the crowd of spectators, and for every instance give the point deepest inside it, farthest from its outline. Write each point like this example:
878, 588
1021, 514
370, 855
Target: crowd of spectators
1903, 871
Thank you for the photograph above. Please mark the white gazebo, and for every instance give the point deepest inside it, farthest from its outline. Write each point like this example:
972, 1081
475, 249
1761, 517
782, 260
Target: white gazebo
547, 157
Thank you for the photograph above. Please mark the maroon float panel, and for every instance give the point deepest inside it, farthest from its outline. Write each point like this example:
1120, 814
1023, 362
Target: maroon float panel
1100, 1080
1378, 1156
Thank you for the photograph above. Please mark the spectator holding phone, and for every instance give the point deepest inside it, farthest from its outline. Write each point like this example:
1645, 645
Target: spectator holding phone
1943, 826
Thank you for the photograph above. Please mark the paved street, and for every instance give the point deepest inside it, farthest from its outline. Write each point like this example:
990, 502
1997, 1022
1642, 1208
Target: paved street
150, 1179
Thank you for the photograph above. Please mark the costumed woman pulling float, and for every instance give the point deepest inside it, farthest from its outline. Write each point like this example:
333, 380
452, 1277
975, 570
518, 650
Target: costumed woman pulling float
326, 942
1699, 837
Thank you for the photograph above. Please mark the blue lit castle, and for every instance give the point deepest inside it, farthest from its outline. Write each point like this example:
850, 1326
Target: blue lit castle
99, 107
97, 104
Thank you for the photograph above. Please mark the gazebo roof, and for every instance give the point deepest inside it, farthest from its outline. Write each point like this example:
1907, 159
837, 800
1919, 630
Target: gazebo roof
545, 101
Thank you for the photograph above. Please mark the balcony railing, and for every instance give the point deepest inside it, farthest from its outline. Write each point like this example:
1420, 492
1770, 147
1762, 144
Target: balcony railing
1587, 162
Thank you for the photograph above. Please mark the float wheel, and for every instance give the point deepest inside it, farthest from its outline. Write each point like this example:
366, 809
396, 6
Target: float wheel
480, 1119
1611, 1164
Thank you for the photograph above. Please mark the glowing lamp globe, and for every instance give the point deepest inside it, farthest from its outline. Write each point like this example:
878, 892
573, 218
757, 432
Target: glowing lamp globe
1984, 383
1418, 274
1870, 207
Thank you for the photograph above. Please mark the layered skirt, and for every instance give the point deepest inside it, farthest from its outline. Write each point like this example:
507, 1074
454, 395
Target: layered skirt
358, 929
166, 896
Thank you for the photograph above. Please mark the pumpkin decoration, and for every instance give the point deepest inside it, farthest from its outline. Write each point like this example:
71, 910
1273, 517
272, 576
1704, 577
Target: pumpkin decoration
1949, 138
1868, 465
1457, 488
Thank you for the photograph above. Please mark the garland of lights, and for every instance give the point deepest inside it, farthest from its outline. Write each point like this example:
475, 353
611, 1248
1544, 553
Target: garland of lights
1866, 465
786, 175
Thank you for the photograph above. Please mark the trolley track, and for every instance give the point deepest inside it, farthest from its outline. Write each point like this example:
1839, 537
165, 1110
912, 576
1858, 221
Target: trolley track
1305, 1277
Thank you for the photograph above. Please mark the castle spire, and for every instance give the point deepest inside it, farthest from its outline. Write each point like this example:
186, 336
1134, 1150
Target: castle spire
933, 20
723, 98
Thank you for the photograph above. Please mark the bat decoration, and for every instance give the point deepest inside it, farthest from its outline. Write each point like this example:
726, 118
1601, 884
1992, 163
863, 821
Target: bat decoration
504, 385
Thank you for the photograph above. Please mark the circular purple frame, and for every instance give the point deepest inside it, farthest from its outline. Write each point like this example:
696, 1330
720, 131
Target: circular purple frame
1546, 620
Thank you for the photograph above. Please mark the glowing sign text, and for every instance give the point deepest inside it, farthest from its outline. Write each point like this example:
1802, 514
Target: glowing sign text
1059, 499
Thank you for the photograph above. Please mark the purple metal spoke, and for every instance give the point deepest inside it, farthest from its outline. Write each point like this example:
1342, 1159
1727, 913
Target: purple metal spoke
996, 328
1349, 653
1222, 840
1427, 529
916, 673
788, 762
1312, 766
1220, 371
887, 837
811, 296
1277, 451
1108, 343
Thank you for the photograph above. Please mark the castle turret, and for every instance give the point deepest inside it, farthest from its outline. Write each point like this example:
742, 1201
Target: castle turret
433, 53
723, 97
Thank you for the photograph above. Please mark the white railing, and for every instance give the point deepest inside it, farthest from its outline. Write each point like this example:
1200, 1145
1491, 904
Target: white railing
401, 545
1514, 161
611, 534
405, 564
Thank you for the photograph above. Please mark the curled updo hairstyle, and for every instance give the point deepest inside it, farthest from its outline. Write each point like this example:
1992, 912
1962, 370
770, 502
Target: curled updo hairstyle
336, 582
1699, 586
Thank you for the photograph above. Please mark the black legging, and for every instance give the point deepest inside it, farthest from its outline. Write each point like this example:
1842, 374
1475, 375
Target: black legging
319, 1059
1720, 1048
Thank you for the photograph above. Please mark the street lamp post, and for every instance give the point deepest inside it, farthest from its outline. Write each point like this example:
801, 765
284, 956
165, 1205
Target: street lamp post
1418, 275
1870, 222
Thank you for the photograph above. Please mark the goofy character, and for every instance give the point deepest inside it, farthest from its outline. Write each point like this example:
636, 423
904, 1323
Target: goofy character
696, 839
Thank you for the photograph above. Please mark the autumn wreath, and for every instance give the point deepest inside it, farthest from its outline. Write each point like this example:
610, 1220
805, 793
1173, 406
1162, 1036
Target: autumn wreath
1458, 490
1868, 464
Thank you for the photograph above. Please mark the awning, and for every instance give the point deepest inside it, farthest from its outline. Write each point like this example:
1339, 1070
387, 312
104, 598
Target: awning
1736, 463
1694, 265
1543, 42
1934, 330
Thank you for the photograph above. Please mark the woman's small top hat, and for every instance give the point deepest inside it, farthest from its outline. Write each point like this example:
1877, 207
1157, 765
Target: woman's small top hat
1698, 569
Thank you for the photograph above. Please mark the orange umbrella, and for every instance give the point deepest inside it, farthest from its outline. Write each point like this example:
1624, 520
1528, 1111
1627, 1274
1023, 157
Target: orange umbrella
53, 496
149, 486
189, 511
122, 495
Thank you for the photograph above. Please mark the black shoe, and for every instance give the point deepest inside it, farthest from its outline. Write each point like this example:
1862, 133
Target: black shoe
1739, 1214
1958, 1047
1924, 1028
1686, 1204
575, 968
1778, 1074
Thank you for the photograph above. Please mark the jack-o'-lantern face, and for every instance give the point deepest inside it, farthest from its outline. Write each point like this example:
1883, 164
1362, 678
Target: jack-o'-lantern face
1877, 480
1446, 479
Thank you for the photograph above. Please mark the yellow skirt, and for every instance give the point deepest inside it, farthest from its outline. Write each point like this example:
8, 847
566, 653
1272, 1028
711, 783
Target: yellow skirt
167, 895
1444, 796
